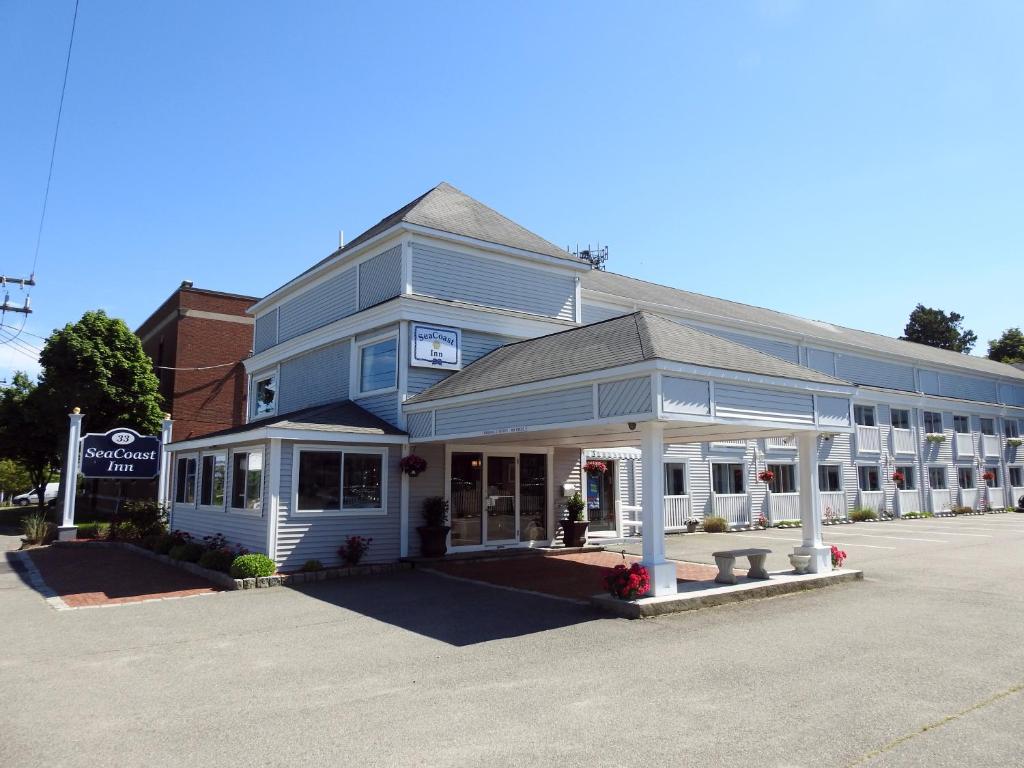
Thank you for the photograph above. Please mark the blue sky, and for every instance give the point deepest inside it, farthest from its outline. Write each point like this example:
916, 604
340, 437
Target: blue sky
841, 161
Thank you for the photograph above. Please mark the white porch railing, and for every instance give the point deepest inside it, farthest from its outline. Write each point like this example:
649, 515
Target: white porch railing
990, 446
734, 507
729, 444
677, 512
941, 500
784, 506
833, 505
871, 500
902, 441
963, 445
868, 440
969, 497
908, 501
780, 444
631, 522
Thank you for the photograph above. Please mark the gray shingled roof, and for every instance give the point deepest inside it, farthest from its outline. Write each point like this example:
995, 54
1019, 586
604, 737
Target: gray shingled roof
609, 344
721, 309
343, 417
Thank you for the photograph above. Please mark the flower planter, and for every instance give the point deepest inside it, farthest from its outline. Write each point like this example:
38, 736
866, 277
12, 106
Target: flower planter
433, 540
575, 532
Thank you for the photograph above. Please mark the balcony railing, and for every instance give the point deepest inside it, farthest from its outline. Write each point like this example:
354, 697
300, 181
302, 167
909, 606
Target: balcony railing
868, 440
969, 497
729, 444
871, 500
833, 505
907, 501
734, 507
941, 500
902, 441
784, 506
990, 446
780, 444
677, 512
963, 445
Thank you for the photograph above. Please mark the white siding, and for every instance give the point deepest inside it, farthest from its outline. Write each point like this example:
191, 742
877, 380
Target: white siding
741, 402
685, 396
621, 398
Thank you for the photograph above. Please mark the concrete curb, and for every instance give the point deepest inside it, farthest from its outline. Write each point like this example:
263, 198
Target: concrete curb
657, 606
35, 580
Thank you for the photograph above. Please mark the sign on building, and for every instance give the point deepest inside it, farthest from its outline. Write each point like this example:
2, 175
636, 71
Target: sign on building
121, 454
435, 347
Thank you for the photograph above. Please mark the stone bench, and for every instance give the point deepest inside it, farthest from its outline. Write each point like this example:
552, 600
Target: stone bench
726, 561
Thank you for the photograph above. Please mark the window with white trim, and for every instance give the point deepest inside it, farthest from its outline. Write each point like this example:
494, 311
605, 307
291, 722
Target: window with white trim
1016, 477
265, 395
727, 478
784, 480
965, 477
348, 482
830, 478
864, 415
675, 478
937, 478
899, 418
988, 426
933, 422
961, 424
246, 480
185, 480
378, 365
992, 482
212, 480
868, 477
1011, 428
908, 483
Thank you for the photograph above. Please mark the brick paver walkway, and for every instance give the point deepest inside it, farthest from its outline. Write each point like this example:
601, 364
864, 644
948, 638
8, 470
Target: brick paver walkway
84, 575
577, 575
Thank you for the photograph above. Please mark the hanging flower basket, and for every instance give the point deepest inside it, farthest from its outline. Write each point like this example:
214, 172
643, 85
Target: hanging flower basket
628, 583
935, 437
766, 476
898, 478
1014, 442
412, 465
988, 476
595, 467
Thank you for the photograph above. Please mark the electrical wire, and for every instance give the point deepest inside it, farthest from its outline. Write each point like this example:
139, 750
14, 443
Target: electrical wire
22, 329
200, 368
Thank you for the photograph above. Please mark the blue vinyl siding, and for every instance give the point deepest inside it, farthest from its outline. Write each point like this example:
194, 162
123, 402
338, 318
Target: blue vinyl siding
685, 396
967, 387
317, 377
380, 278
420, 424
785, 350
457, 276
821, 360
876, 373
331, 300
265, 333
733, 401
474, 346
620, 398
511, 412
595, 314
383, 406
305, 538
833, 412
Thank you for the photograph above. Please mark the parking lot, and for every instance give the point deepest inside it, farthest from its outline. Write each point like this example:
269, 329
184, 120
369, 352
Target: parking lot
920, 664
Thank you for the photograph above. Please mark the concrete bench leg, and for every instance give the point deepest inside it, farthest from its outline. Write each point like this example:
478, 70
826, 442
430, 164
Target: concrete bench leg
757, 570
725, 568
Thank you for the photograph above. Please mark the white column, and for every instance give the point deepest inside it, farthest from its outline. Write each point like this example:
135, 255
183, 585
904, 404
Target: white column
810, 505
273, 504
652, 451
164, 481
67, 528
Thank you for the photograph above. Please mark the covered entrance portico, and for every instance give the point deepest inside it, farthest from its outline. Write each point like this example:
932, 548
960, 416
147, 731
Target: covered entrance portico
637, 381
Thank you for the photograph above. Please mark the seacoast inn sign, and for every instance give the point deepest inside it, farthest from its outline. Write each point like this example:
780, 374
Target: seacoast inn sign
122, 454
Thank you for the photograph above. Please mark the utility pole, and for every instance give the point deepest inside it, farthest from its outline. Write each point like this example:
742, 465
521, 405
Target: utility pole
22, 282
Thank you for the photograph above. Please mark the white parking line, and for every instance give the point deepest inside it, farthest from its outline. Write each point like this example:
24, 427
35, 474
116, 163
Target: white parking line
858, 544
798, 541
951, 533
898, 538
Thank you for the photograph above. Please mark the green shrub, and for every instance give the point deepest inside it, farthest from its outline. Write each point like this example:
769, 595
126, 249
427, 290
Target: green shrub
963, 510
788, 524
217, 559
860, 514
92, 530
716, 524
312, 565
137, 519
251, 566
190, 553
37, 529
165, 542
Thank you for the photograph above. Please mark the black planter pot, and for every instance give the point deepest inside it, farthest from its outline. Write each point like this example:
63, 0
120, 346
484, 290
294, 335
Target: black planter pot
575, 532
433, 540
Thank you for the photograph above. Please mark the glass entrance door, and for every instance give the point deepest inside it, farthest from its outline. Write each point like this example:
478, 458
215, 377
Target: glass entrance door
500, 500
466, 499
601, 499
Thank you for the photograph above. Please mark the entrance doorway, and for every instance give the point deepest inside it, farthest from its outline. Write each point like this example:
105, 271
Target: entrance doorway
601, 499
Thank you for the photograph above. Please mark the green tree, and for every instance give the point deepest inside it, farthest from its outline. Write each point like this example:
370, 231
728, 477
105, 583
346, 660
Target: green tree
1008, 348
937, 329
14, 479
29, 431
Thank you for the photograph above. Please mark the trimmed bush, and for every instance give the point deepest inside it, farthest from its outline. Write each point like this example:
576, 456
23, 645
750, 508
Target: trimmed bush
312, 565
217, 559
860, 514
92, 530
251, 566
963, 510
715, 524
190, 553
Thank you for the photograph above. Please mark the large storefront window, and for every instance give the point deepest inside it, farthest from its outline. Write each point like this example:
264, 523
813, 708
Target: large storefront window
340, 482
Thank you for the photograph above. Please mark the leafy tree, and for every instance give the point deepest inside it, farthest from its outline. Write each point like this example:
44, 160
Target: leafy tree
1008, 348
937, 329
14, 479
29, 434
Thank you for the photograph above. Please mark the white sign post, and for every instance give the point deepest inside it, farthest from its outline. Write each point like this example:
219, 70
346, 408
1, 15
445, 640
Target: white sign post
68, 530
163, 482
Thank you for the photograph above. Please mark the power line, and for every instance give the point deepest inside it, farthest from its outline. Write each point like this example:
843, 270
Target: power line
27, 333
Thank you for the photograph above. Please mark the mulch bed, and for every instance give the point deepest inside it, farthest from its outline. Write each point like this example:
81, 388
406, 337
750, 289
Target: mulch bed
83, 575
576, 576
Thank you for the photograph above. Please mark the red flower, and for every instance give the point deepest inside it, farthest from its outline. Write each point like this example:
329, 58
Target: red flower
627, 583
595, 467
766, 476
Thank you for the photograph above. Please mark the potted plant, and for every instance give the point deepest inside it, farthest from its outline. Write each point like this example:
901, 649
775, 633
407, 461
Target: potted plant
692, 524
412, 465
899, 479
435, 528
575, 527
766, 476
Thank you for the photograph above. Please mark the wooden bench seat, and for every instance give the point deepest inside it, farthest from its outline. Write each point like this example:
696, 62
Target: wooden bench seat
726, 562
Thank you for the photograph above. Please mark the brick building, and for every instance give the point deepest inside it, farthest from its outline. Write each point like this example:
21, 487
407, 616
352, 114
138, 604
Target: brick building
205, 335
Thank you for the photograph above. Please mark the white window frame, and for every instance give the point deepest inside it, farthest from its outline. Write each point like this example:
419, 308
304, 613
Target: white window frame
901, 410
913, 477
269, 373
981, 425
974, 478
842, 480
881, 480
796, 474
177, 458
874, 414
258, 512
1011, 428
996, 481
686, 474
1010, 469
945, 477
924, 422
357, 364
297, 450
199, 481
962, 416
711, 477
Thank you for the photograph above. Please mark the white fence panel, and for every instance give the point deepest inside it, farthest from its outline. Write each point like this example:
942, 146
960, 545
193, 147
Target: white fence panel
963, 445
903, 442
677, 512
734, 507
833, 505
990, 446
942, 500
871, 500
784, 506
869, 440
908, 501
969, 497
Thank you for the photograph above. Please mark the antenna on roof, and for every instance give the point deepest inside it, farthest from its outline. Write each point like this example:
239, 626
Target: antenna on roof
596, 256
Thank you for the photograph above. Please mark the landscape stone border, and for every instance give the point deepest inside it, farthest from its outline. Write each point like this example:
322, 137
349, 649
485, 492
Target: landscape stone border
226, 581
